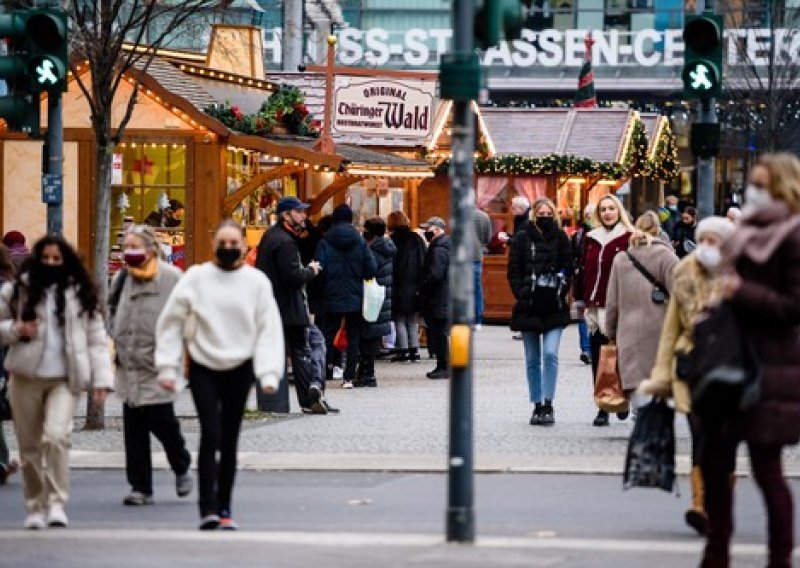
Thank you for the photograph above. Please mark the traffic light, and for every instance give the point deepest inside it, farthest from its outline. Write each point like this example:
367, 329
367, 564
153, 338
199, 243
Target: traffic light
36, 61
702, 64
497, 20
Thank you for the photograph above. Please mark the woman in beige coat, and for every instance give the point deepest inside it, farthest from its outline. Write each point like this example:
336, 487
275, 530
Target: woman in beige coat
53, 322
138, 295
633, 319
692, 292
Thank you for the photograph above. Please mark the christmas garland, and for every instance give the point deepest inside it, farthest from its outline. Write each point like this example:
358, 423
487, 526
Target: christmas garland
664, 165
551, 164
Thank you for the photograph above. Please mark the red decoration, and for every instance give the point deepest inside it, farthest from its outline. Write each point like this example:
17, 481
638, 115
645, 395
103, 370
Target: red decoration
144, 166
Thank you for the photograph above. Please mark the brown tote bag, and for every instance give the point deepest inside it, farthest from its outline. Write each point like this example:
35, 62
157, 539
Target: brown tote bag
608, 393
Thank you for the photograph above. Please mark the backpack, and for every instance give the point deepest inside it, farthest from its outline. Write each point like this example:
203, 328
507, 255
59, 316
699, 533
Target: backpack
650, 460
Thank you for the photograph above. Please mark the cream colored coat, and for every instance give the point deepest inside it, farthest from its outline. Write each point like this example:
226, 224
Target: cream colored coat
85, 344
633, 320
692, 292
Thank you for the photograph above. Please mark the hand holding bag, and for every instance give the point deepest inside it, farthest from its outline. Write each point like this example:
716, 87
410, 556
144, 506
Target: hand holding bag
608, 393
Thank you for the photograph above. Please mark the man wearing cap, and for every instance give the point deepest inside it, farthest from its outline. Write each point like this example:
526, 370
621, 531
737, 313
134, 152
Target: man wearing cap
434, 293
279, 258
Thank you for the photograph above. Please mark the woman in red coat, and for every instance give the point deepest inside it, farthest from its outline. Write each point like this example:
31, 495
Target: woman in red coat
763, 286
610, 237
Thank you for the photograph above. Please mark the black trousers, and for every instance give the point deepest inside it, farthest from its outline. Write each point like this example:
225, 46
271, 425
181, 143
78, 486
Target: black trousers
437, 340
369, 351
138, 423
303, 367
330, 325
220, 398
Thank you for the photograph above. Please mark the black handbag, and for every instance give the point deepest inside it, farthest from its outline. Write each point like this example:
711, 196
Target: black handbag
659, 294
723, 369
650, 460
5, 406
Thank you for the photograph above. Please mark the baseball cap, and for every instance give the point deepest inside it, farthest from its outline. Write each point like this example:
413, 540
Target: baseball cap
434, 222
291, 203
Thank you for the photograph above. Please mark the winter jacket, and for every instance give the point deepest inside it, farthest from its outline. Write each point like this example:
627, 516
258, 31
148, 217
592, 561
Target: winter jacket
134, 333
683, 239
672, 222
279, 258
384, 251
434, 290
691, 292
407, 267
483, 234
539, 309
520, 220
85, 342
346, 262
599, 249
633, 320
765, 251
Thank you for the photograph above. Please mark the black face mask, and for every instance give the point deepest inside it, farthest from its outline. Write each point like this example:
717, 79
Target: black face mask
51, 273
227, 257
429, 235
545, 223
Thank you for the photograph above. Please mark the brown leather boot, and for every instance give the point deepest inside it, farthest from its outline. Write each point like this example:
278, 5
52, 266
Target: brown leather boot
696, 515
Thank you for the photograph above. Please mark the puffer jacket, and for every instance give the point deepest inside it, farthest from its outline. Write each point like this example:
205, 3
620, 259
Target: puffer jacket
433, 295
134, 334
346, 262
384, 251
85, 343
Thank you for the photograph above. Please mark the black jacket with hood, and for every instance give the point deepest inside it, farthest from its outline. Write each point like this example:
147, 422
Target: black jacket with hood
346, 262
384, 251
434, 293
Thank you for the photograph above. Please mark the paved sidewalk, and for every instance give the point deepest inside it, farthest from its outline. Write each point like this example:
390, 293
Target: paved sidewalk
402, 424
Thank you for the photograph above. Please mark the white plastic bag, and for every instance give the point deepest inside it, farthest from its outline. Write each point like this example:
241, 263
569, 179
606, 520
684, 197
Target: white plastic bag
374, 294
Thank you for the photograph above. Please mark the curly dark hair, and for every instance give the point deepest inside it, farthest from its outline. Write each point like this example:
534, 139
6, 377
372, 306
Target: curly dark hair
75, 276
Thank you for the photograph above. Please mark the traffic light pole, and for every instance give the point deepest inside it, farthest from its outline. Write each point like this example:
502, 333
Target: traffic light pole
460, 483
706, 167
54, 162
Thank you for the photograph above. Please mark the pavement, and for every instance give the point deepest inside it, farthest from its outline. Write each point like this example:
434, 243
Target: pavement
402, 425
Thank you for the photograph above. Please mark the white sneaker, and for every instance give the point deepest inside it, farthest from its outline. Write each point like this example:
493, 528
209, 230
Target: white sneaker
347, 384
34, 521
338, 373
56, 517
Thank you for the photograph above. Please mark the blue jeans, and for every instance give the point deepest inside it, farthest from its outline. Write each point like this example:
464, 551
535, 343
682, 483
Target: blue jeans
583, 334
477, 285
542, 375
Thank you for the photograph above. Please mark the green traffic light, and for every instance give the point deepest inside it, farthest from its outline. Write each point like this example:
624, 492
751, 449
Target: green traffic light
703, 37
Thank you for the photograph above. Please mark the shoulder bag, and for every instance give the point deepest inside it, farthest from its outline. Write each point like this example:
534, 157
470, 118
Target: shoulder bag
659, 295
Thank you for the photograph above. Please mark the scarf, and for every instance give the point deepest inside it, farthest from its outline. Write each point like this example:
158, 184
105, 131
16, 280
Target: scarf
147, 271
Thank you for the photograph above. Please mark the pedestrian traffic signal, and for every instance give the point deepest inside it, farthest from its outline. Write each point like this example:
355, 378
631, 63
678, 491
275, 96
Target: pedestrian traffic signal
702, 63
497, 20
47, 55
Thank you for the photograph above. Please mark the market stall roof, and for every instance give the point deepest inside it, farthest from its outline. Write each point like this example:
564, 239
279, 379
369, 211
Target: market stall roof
599, 134
654, 125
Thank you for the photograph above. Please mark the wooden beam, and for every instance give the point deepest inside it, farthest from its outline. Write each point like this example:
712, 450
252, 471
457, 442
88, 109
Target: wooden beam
230, 202
339, 184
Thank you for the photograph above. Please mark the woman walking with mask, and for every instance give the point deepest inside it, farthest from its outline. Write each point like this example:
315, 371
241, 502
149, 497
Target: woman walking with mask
226, 313
690, 294
539, 270
610, 237
53, 322
138, 295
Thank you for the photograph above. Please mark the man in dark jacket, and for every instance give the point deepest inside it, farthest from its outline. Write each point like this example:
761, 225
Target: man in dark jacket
578, 240
683, 238
279, 258
434, 293
384, 251
346, 262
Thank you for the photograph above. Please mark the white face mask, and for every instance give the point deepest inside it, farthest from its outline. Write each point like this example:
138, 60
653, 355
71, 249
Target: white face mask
756, 197
708, 256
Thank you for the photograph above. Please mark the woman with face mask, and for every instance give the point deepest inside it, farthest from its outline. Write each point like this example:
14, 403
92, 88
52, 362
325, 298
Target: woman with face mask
52, 320
761, 281
610, 237
540, 269
226, 315
691, 293
137, 297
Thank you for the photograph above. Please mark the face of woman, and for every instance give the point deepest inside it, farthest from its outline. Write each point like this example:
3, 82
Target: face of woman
51, 256
134, 242
545, 211
609, 212
229, 238
759, 177
710, 239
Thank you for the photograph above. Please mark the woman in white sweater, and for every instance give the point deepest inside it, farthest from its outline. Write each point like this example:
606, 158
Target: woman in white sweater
226, 314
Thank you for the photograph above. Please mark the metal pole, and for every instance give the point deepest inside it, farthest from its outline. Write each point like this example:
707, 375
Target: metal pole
460, 485
292, 35
706, 167
55, 159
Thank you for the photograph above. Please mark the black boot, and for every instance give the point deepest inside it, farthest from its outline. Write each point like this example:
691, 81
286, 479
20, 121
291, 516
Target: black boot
548, 416
601, 419
413, 355
536, 417
400, 356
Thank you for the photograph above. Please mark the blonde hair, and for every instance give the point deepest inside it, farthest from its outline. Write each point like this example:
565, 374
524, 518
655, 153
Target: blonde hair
784, 177
647, 228
623, 215
542, 202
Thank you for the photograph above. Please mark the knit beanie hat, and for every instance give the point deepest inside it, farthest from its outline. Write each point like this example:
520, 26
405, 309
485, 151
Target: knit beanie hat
12, 238
716, 225
342, 214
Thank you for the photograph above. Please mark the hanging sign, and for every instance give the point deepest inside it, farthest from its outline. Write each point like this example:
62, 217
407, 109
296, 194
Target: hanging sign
116, 170
52, 192
383, 108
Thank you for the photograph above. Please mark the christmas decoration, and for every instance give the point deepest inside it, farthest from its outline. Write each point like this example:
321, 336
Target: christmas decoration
665, 165
123, 202
163, 201
585, 97
551, 164
636, 159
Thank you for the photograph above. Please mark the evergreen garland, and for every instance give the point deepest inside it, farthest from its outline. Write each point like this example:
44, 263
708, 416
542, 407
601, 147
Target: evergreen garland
551, 164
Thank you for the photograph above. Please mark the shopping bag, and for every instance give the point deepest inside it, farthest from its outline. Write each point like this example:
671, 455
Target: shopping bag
650, 461
608, 393
374, 294
340, 339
